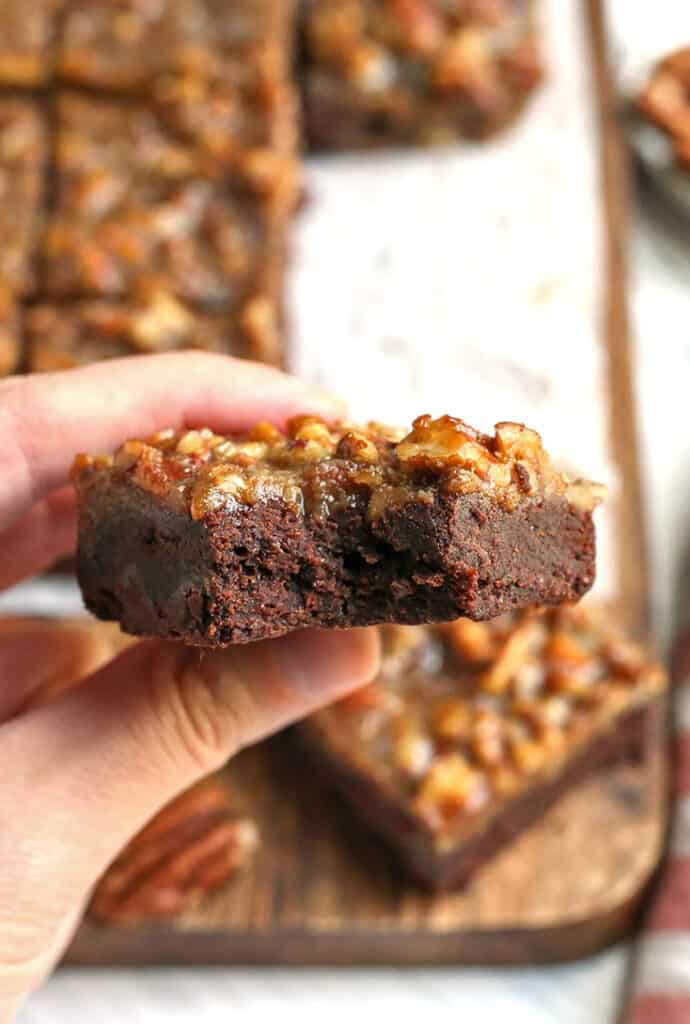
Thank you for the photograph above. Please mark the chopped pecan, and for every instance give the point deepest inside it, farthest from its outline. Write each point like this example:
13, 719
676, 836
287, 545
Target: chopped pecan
313, 460
473, 641
422, 24
465, 64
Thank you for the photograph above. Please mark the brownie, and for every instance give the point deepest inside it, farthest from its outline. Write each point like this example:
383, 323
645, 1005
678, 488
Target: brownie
382, 72
225, 540
23, 158
217, 71
10, 332
27, 36
472, 730
665, 101
134, 200
60, 337
133, 46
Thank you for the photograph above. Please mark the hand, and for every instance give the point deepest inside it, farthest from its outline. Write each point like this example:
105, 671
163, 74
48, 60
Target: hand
88, 754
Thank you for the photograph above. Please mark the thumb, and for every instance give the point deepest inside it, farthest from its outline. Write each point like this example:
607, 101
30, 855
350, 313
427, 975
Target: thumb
85, 772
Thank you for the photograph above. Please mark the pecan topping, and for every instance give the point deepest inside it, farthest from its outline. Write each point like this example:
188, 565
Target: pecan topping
316, 466
422, 24
470, 712
192, 848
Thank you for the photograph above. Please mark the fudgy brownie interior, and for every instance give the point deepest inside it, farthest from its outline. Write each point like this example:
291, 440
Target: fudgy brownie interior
223, 540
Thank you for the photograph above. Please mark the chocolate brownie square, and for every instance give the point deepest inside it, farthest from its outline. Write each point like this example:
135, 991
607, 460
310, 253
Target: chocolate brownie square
129, 45
134, 200
27, 38
10, 332
23, 158
219, 71
61, 337
382, 72
472, 730
225, 540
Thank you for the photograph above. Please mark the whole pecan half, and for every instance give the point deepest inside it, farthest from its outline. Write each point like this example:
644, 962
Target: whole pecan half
190, 849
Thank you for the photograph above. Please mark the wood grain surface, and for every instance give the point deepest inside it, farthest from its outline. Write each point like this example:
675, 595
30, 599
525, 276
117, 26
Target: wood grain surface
323, 892
630, 537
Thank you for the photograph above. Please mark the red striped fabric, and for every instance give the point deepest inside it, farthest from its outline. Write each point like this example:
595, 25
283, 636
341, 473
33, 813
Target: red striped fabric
660, 1009
682, 763
660, 987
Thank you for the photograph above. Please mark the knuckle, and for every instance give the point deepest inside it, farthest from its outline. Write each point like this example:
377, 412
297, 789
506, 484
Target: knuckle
195, 703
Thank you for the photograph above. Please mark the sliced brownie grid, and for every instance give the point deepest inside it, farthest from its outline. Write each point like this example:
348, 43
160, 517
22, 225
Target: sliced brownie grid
174, 149
173, 178
473, 729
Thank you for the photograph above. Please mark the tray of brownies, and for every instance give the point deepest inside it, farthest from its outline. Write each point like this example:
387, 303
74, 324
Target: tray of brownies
362, 191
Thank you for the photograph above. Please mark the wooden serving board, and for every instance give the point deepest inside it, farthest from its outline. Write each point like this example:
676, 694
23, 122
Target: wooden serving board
323, 892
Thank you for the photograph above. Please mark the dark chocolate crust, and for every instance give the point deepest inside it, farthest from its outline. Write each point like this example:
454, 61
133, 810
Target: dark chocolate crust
631, 736
246, 573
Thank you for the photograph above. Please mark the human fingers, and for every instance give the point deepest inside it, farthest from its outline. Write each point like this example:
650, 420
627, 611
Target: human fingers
32, 544
83, 773
40, 658
46, 418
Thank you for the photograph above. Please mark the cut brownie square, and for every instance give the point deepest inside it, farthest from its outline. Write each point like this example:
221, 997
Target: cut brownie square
218, 71
61, 337
133, 200
23, 157
27, 36
225, 540
10, 332
381, 72
473, 730
130, 45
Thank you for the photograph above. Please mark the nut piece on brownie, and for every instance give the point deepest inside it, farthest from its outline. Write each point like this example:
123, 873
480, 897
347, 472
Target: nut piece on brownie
27, 40
220, 540
473, 729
